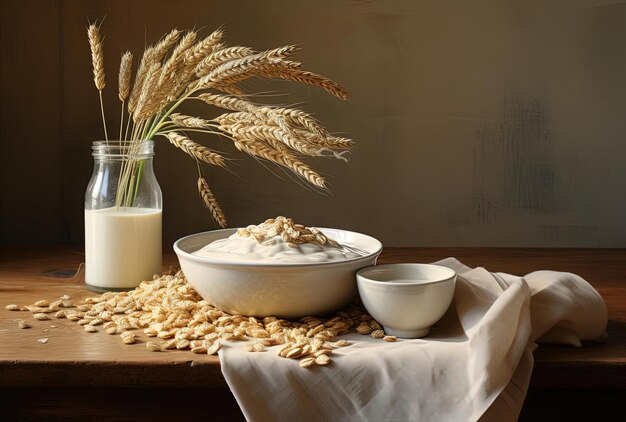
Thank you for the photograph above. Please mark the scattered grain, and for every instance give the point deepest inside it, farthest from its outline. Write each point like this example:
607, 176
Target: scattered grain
322, 360
154, 346
307, 362
378, 334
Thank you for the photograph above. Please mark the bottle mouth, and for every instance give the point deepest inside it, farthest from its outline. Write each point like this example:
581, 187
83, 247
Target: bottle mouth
114, 150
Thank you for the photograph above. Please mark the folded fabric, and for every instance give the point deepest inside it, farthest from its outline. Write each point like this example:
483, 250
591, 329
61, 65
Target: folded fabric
475, 364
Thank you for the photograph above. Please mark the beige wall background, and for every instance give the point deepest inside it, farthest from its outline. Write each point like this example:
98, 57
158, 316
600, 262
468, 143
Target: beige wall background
482, 123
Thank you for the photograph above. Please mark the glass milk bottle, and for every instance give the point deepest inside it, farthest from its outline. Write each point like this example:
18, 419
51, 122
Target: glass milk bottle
123, 206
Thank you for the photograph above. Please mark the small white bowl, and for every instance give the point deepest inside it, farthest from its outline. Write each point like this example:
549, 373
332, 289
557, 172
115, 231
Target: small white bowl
407, 299
283, 290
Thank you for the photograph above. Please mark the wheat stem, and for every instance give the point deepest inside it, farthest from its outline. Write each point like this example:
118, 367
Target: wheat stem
121, 123
104, 122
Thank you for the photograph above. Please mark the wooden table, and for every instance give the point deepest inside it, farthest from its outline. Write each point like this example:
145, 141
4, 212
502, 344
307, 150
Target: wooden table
95, 375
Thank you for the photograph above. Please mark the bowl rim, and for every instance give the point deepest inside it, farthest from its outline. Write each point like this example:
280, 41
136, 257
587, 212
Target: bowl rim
187, 255
362, 278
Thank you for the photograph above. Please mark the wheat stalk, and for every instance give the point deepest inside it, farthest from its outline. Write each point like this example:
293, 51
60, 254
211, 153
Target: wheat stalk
195, 150
221, 56
97, 61
126, 64
240, 69
147, 60
189, 121
178, 67
203, 49
279, 156
165, 45
211, 203
273, 134
297, 117
145, 104
97, 57
124, 76
309, 78
227, 102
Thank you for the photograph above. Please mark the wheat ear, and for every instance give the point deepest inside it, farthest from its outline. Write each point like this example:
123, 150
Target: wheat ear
203, 48
221, 56
147, 60
189, 121
166, 43
210, 202
126, 65
309, 78
279, 156
195, 150
97, 60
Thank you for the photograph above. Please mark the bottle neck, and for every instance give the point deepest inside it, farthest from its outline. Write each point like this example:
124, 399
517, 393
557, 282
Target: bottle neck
114, 151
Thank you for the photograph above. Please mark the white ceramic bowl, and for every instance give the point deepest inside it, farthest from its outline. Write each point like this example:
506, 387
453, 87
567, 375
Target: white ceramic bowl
281, 290
407, 299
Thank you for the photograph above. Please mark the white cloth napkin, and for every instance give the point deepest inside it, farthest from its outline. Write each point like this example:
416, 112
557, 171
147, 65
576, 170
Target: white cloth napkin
475, 364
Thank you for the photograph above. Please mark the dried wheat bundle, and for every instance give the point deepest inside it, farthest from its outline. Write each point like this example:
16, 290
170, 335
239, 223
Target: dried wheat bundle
182, 67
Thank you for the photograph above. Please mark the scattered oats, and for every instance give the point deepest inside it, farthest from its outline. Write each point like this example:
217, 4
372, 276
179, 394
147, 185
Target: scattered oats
195, 343
22, 324
322, 352
259, 347
130, 338
165, 334
40, 317
54, 326
294, 353
228, 336
378, 334
12, 307
199, 350
322, 360
43, 340
342, 343
375, 325
307, 362
150, 332
154, 346
364, 329
170, 344
390, 338
214, 348
170, 309
182, 344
